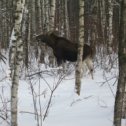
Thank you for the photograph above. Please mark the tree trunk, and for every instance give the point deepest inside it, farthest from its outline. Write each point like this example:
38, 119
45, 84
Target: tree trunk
16, 50
67, 28
80, 47
51, 27
52, 14
38, 17
46, 15
110, 34
124, 105
122, 67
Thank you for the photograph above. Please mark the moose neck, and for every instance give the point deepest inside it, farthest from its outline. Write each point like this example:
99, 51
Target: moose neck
53, 37
49, 41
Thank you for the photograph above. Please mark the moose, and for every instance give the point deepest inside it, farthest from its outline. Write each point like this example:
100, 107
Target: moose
65, 50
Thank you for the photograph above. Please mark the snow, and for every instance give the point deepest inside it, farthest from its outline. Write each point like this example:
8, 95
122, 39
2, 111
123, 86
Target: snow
123, 122
94, 106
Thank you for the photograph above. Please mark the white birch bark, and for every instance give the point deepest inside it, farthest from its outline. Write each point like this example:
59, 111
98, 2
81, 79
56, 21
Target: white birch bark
51, 28
67, 21
46, 15
110, 34
52, 14
16, 50
80, 47
103, 19
38, 17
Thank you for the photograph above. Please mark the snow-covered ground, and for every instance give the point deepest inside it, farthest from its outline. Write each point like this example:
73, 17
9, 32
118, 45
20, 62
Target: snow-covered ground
94, 106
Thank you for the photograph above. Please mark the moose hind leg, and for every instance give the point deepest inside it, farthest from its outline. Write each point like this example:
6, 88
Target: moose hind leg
89, 64
84, 68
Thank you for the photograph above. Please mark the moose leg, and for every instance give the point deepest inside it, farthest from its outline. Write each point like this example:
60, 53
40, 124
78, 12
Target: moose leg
84, 68
89, 64
59, 62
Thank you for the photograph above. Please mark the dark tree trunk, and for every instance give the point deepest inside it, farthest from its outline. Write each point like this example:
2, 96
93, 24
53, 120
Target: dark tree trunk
122, 67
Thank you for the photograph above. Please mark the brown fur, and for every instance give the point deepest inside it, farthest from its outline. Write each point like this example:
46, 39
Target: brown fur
64, 49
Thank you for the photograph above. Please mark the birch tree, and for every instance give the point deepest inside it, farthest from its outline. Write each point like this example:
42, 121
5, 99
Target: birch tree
67, 29
46, 15
38, 17
80, 47
51, 27
52, 14
110, 34
121, 87
16, 52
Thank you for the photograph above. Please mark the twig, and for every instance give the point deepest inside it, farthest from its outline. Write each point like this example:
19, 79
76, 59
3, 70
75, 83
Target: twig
108, 80
80, 99
110, 87
52, 92
5, 119
29, 112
